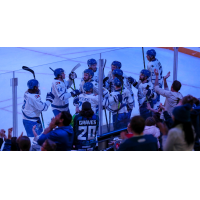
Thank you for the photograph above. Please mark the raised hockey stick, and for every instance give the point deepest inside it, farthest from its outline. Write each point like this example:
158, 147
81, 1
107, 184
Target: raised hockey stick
76, 67
30, 70
143, 56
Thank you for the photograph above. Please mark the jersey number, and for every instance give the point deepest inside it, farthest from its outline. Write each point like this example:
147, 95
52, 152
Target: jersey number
91, 130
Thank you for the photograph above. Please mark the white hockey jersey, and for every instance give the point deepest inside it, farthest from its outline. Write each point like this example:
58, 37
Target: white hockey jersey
142, 92
155, 65
110, 84
59, 90
111, 103
91, 98
33, 106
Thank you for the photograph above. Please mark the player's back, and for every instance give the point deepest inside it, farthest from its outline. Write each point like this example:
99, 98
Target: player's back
29, 108
155, 65
91, 98
59, 88
126, 99
85, 132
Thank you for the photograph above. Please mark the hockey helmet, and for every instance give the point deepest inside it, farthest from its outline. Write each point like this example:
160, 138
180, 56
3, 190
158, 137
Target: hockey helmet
58, 72
117, 64
146, 73
32, 83
151, 53
117, 82
117, 72
91, 62
88, 86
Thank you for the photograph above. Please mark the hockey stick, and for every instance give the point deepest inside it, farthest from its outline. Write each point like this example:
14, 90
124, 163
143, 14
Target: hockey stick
143, 56
30, 70
76, 67
105, 108
51, 69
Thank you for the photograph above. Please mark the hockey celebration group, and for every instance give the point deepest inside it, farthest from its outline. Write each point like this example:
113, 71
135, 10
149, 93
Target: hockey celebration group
166, 126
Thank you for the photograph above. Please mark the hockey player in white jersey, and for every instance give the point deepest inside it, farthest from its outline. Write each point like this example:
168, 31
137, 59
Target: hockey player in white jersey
92, 65
146, 93
115, 72
108, 81
89, 96
59, 90
88, 77
119, 74
117, 104
33, 106
152, 65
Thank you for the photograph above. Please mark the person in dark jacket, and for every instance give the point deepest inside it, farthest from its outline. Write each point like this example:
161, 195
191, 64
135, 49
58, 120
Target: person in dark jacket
63, 135
139, 142
2, 136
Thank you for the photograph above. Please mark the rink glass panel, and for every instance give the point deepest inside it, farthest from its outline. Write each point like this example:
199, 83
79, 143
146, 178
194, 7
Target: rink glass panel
189, 73
6, 111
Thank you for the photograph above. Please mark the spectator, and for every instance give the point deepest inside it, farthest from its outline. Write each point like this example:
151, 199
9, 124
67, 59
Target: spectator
195, 117
138, 142
24, 143
172, 97
151, 129
181, 136
63, 135
2, 136
48, 145
7, 144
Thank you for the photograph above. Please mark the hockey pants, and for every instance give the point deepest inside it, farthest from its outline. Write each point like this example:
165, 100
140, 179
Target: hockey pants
121, 121
144, 112
56, 112
28, 125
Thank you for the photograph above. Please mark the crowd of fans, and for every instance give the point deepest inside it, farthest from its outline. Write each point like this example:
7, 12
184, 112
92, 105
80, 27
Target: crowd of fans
171, 128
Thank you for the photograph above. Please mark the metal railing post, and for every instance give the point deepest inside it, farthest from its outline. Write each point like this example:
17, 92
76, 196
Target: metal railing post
14, 84
175, 69
101, 61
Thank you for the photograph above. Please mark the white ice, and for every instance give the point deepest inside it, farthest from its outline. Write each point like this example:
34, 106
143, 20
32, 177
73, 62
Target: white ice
42, 58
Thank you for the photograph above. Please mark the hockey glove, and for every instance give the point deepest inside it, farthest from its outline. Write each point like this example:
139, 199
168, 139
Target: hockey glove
131, 80
148, 92
50, 97
104, 81
72, 75
76, 101
75, 93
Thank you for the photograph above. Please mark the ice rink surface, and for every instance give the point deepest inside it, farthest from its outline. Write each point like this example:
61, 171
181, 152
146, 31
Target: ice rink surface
41, 58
